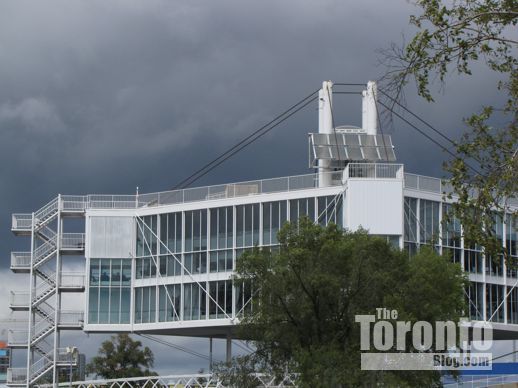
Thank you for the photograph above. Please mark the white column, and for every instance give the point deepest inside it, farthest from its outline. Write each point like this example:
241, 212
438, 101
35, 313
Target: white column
325, 126
369, 109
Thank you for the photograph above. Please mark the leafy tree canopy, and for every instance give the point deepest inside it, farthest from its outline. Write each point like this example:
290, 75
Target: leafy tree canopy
311, 288
121, 356
451, 37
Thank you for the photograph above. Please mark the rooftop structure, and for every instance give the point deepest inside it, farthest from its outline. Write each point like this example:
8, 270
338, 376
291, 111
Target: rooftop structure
162, 263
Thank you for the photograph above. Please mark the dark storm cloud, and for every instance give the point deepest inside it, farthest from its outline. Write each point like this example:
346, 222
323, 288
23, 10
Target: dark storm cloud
102, 96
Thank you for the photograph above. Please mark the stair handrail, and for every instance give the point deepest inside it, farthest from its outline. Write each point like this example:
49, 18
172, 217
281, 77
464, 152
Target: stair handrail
46, 209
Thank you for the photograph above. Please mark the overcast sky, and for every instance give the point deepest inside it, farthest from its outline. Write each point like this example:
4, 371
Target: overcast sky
102, 96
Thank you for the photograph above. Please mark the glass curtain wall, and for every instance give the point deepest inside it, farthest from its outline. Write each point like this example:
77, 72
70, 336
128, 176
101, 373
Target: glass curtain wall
146, 261
109, 291
210, 240
451, 235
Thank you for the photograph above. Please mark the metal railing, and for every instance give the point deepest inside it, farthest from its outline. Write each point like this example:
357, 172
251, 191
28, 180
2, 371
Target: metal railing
73, 241
46, 211
17, 337
44, 250
40, 329
374, 171
424, 183
64, 357
72, 280
183, 381
41, 366
71, 318
47, 232
20, 260
231, 190
16, 375
19, 299
21, 221
72, 203
477, 381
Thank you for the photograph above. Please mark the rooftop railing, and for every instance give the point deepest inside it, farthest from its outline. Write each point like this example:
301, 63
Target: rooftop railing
374, 171
230, 190
75, 203
20, 260
16, 375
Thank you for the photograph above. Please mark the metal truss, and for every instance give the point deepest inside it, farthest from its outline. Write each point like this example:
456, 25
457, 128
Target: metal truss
180, 381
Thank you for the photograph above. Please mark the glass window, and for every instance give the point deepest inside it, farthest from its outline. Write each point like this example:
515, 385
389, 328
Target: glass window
221, 261
146, 265
512, 305
221, 220
115, 294
410, 219
163, 265
195, 230
473, 261
475, 295
194, 302
494, 299
274, 216
94, 272
104, 304
138, 305
512, 234
174, 268
109, 300
220, 301
171, 232
126, 272
145, 304
93, 305
392, 239
302, 207
147, 235
125, 304
138, 268
105, 272
451, 233
116, 270
429, 221
495, 266
195, 262
169, 302
330, 210
247, 225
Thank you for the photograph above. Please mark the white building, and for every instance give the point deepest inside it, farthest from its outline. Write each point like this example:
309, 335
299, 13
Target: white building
162, 263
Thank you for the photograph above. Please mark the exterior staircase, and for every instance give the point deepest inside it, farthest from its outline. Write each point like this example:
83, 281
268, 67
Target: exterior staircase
48, 244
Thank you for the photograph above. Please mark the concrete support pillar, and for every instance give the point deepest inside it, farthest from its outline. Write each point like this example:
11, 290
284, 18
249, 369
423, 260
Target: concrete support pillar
229, 348
210, 354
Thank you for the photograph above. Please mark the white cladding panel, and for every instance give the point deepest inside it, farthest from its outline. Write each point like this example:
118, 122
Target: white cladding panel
375, 205
111, 237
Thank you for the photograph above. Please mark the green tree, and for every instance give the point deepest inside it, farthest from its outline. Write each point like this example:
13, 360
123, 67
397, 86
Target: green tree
311, 288
122, 357
451, 37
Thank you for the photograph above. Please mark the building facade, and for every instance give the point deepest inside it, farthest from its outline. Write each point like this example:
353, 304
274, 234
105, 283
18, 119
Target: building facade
163, 263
